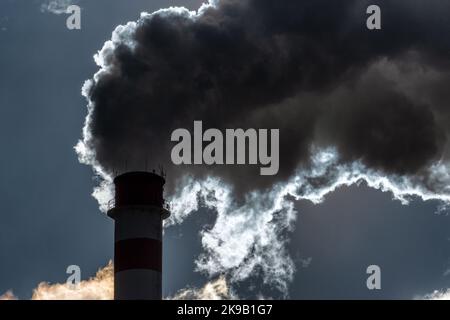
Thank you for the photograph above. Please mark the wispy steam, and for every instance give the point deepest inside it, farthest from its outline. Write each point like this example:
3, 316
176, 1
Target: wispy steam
352, 106
250, 240
437, 295
57, 6
214, 290
245, 240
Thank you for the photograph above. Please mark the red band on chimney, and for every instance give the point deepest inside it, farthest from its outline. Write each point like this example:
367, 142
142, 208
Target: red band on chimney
139, 253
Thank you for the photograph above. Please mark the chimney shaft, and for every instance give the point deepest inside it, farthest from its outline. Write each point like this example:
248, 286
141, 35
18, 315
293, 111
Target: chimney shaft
138, 213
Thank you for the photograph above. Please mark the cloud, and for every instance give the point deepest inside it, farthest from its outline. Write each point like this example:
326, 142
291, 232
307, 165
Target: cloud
214, 290
352, 105
9, 295
438, 295
100, 287
57, 6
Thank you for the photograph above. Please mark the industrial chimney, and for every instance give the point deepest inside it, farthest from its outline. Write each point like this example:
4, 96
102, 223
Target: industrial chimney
138, 211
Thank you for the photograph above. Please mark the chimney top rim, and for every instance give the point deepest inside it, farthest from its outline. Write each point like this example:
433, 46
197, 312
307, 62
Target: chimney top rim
139, 174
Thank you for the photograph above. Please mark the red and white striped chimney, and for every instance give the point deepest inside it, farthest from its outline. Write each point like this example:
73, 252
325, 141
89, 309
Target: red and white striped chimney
138, 212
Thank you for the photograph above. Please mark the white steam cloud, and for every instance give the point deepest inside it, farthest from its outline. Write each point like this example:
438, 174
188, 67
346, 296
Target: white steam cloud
437, 295
252, 238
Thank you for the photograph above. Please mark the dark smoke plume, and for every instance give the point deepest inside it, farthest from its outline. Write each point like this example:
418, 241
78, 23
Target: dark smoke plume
270, 64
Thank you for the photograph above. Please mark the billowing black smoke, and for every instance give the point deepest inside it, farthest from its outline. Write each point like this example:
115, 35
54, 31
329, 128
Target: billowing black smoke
309, 68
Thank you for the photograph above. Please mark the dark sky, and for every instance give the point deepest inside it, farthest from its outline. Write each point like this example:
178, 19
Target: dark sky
49, 219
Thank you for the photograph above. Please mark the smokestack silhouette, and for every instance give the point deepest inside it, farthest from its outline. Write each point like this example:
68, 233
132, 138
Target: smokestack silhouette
138, 211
